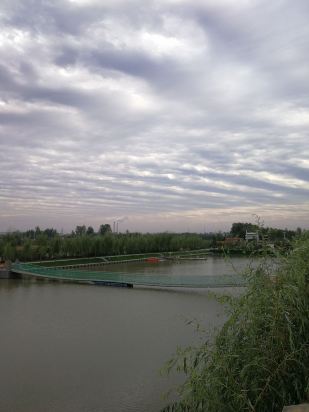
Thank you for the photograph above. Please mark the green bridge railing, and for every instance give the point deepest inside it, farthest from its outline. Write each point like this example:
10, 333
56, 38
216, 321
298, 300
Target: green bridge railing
137, 279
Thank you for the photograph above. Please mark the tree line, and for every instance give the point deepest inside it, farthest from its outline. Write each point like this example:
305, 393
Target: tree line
48, 244
239, 229
37, 244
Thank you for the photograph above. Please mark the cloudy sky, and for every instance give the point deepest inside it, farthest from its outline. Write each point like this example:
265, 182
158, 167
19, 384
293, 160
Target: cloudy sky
165, 114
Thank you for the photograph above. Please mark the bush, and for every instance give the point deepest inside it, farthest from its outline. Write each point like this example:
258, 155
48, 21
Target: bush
259, 360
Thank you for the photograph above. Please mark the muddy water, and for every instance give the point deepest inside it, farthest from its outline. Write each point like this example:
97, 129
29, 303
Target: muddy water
77, 348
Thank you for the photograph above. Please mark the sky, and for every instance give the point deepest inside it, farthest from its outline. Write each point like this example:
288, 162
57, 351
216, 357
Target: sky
172, 115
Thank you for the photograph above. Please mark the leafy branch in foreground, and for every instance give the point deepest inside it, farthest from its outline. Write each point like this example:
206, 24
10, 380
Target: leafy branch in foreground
259, 360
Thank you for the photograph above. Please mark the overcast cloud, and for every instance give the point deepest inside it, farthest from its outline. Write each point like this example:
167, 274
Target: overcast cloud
177, 114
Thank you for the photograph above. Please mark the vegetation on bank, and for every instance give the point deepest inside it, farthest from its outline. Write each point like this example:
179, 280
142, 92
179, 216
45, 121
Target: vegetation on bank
84, 242
41, 247
259, 360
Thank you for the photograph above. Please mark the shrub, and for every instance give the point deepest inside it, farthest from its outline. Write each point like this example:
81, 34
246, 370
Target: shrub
259, 360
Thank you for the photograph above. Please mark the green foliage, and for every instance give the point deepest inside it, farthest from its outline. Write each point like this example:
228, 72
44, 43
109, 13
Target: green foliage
259, 360
239, 229
90, 230
37, 244
80, 230
273, 234
104, 229
9, 252
42, 245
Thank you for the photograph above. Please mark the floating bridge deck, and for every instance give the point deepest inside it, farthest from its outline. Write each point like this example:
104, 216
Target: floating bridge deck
128, 279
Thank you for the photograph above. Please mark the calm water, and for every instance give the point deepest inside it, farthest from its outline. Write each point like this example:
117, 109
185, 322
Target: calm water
77, 348
212, 266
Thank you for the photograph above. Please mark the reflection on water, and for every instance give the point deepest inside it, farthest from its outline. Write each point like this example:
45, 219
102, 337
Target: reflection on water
77, 348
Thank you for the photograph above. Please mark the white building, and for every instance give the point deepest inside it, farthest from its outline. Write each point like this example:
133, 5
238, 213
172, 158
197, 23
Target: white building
252, 236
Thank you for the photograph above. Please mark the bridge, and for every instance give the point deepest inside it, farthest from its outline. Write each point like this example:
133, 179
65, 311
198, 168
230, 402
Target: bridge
127, 279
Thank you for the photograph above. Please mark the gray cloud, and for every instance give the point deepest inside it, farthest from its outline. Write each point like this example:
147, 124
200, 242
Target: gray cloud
173, 114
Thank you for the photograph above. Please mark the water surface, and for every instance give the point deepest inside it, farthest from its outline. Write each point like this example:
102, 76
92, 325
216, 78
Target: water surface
79, 348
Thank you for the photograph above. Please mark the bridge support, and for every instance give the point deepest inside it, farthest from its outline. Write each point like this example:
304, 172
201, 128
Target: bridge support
114, 284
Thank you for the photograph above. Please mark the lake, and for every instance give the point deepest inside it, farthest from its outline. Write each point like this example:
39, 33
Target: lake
79, 348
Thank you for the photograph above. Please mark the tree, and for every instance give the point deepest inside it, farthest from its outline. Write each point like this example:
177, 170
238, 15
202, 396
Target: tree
9, 252
27, 250
42, 245
104, 229
50, 232
55, 246
80, 230
239, 229
37, 231
90, 230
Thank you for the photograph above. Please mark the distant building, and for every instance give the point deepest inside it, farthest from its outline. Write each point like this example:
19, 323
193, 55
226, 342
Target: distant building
252, 236
232, 240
